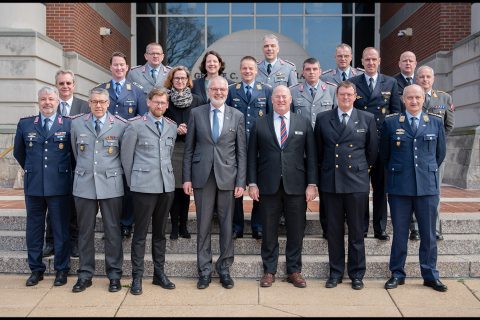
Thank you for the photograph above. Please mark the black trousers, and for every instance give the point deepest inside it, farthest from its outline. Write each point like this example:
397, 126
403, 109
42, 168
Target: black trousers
377, 178
154, 207
294, 208
73, 226
179, 210
349, 206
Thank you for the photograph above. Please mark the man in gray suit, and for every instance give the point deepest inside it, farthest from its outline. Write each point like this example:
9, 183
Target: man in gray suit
96, 139
68, 106
146, 158
153, 73
215, 165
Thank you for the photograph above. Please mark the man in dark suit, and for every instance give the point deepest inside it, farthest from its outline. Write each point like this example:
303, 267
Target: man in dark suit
42, 148
347, 146
407, 64
68, 106
377, 94
282, 176
413, 147
215, 165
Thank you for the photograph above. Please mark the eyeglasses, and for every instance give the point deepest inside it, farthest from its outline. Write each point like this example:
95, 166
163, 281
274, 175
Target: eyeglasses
218, 89
155, 53
95, 102
159, 103
68, 83
180, 79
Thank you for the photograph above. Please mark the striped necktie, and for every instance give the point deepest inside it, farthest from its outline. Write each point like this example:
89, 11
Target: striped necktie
283, 132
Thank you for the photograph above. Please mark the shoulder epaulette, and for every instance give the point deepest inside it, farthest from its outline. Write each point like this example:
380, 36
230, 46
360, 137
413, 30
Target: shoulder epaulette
231, 84
331, 83
363, 70
266, 84
141, 65
168, 67
101, 84
169, 120
74, 116
293, 86
434, 114
135, 118
391, 115
26, 117
290, 62
137, 84
328, 71
121, 119
441, 91
259, 62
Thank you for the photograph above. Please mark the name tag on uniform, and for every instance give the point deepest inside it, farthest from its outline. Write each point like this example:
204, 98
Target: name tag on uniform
361, 130
299, 133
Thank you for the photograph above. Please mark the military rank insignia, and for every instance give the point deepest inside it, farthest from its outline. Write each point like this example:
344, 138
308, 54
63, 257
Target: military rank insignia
383, 111
398, 142
60, 146
425, 118
82, 147
260, 113
386, 95
130, 110
129, 86
238, 86
401, 119
110, 150
259, 86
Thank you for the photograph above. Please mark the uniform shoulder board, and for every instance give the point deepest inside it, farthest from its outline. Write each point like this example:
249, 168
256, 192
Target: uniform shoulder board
391, 115
266, 84
100, 84
74, 116
121, 119
169, 120
290, 62
328, 71
132, 68
168, 67
331, 83
260, 62
234, 83
295, 85
434, 114
135, 118
360, 69
26, 117
137, 84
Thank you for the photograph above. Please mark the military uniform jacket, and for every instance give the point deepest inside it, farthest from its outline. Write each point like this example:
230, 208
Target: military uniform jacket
308, 107
45, 158
441, 103
259, 105
333, 76
382, 101
412, 159
345, 155
141, 75
98, 174
131, 101
283, 72
146, 155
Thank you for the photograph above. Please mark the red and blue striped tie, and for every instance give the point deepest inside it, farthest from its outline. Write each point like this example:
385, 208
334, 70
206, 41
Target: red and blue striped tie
283, 132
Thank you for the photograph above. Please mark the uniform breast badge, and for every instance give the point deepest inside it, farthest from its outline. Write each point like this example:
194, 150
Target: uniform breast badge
110, 150
82, 147
60, 146
130, 110
260, 113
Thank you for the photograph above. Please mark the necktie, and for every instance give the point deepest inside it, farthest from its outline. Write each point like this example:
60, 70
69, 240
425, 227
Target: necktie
248, 93
154, 76
414, 124
344, 120
344, 76
97, 126
63, 108
45, 125
283, 132
159, 127
427, 100
215, 126
409, 80
312, 92
118, 89
370, 86
269, 68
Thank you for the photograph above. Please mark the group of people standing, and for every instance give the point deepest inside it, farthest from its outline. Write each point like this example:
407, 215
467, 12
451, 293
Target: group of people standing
150, 138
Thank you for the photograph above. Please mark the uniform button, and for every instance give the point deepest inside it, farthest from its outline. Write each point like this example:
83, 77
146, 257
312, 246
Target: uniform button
416, 165
46, 142
116, 112
248, 122
96, 151
248, 108
415, 157
336, 166
336, 145
414, 140
45, 158
248, 129
45, 166
365, 107
349, 167
96, 141
95, 162
248, 115
94, 173
336, 155
351, 145
349, 155
46, 149
378, 119
415, 148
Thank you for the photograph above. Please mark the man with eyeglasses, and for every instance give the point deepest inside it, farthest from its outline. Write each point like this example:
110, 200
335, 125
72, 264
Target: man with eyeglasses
96, 140
68, 106
153, 73
343, 59
215, 165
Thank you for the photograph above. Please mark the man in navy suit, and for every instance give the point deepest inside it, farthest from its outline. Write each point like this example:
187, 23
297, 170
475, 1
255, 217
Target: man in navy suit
407, 64
412, 147
377, 94
42, 148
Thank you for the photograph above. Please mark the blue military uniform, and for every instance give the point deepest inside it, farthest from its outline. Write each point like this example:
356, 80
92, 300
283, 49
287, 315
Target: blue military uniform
257, 107
412, 158
47, 161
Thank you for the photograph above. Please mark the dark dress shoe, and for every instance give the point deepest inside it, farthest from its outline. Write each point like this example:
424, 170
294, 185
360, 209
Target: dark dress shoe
297, 279
226, 281
203, 282
332, 282
34, 278
382, 236
162, 281
267, 280
136, 287
126, 232
74, 251
257, 235
414, 235
438, 236
174, 235
357, 284
436, 285
393, 282
185, 234
81, 285
60, 278
324, 235
48, 250
237, 235
114, 285
365, 234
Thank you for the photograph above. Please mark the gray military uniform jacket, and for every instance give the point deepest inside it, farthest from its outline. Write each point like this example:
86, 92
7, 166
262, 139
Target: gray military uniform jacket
334, 76
147, 156
141, 75
283, 72
98, 174
441, 103
304, 104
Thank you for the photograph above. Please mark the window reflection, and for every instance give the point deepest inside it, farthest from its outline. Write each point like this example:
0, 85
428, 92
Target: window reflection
363, 26
323, 48
183, 8
268, 23
145, 8
217, 8
266, 8
292, 27
326, 8
241, 23
217, 28
291, 8
242, 8
147, 35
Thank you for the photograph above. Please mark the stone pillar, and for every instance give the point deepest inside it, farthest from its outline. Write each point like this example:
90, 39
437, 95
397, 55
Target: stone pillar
23, 16
475, 25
